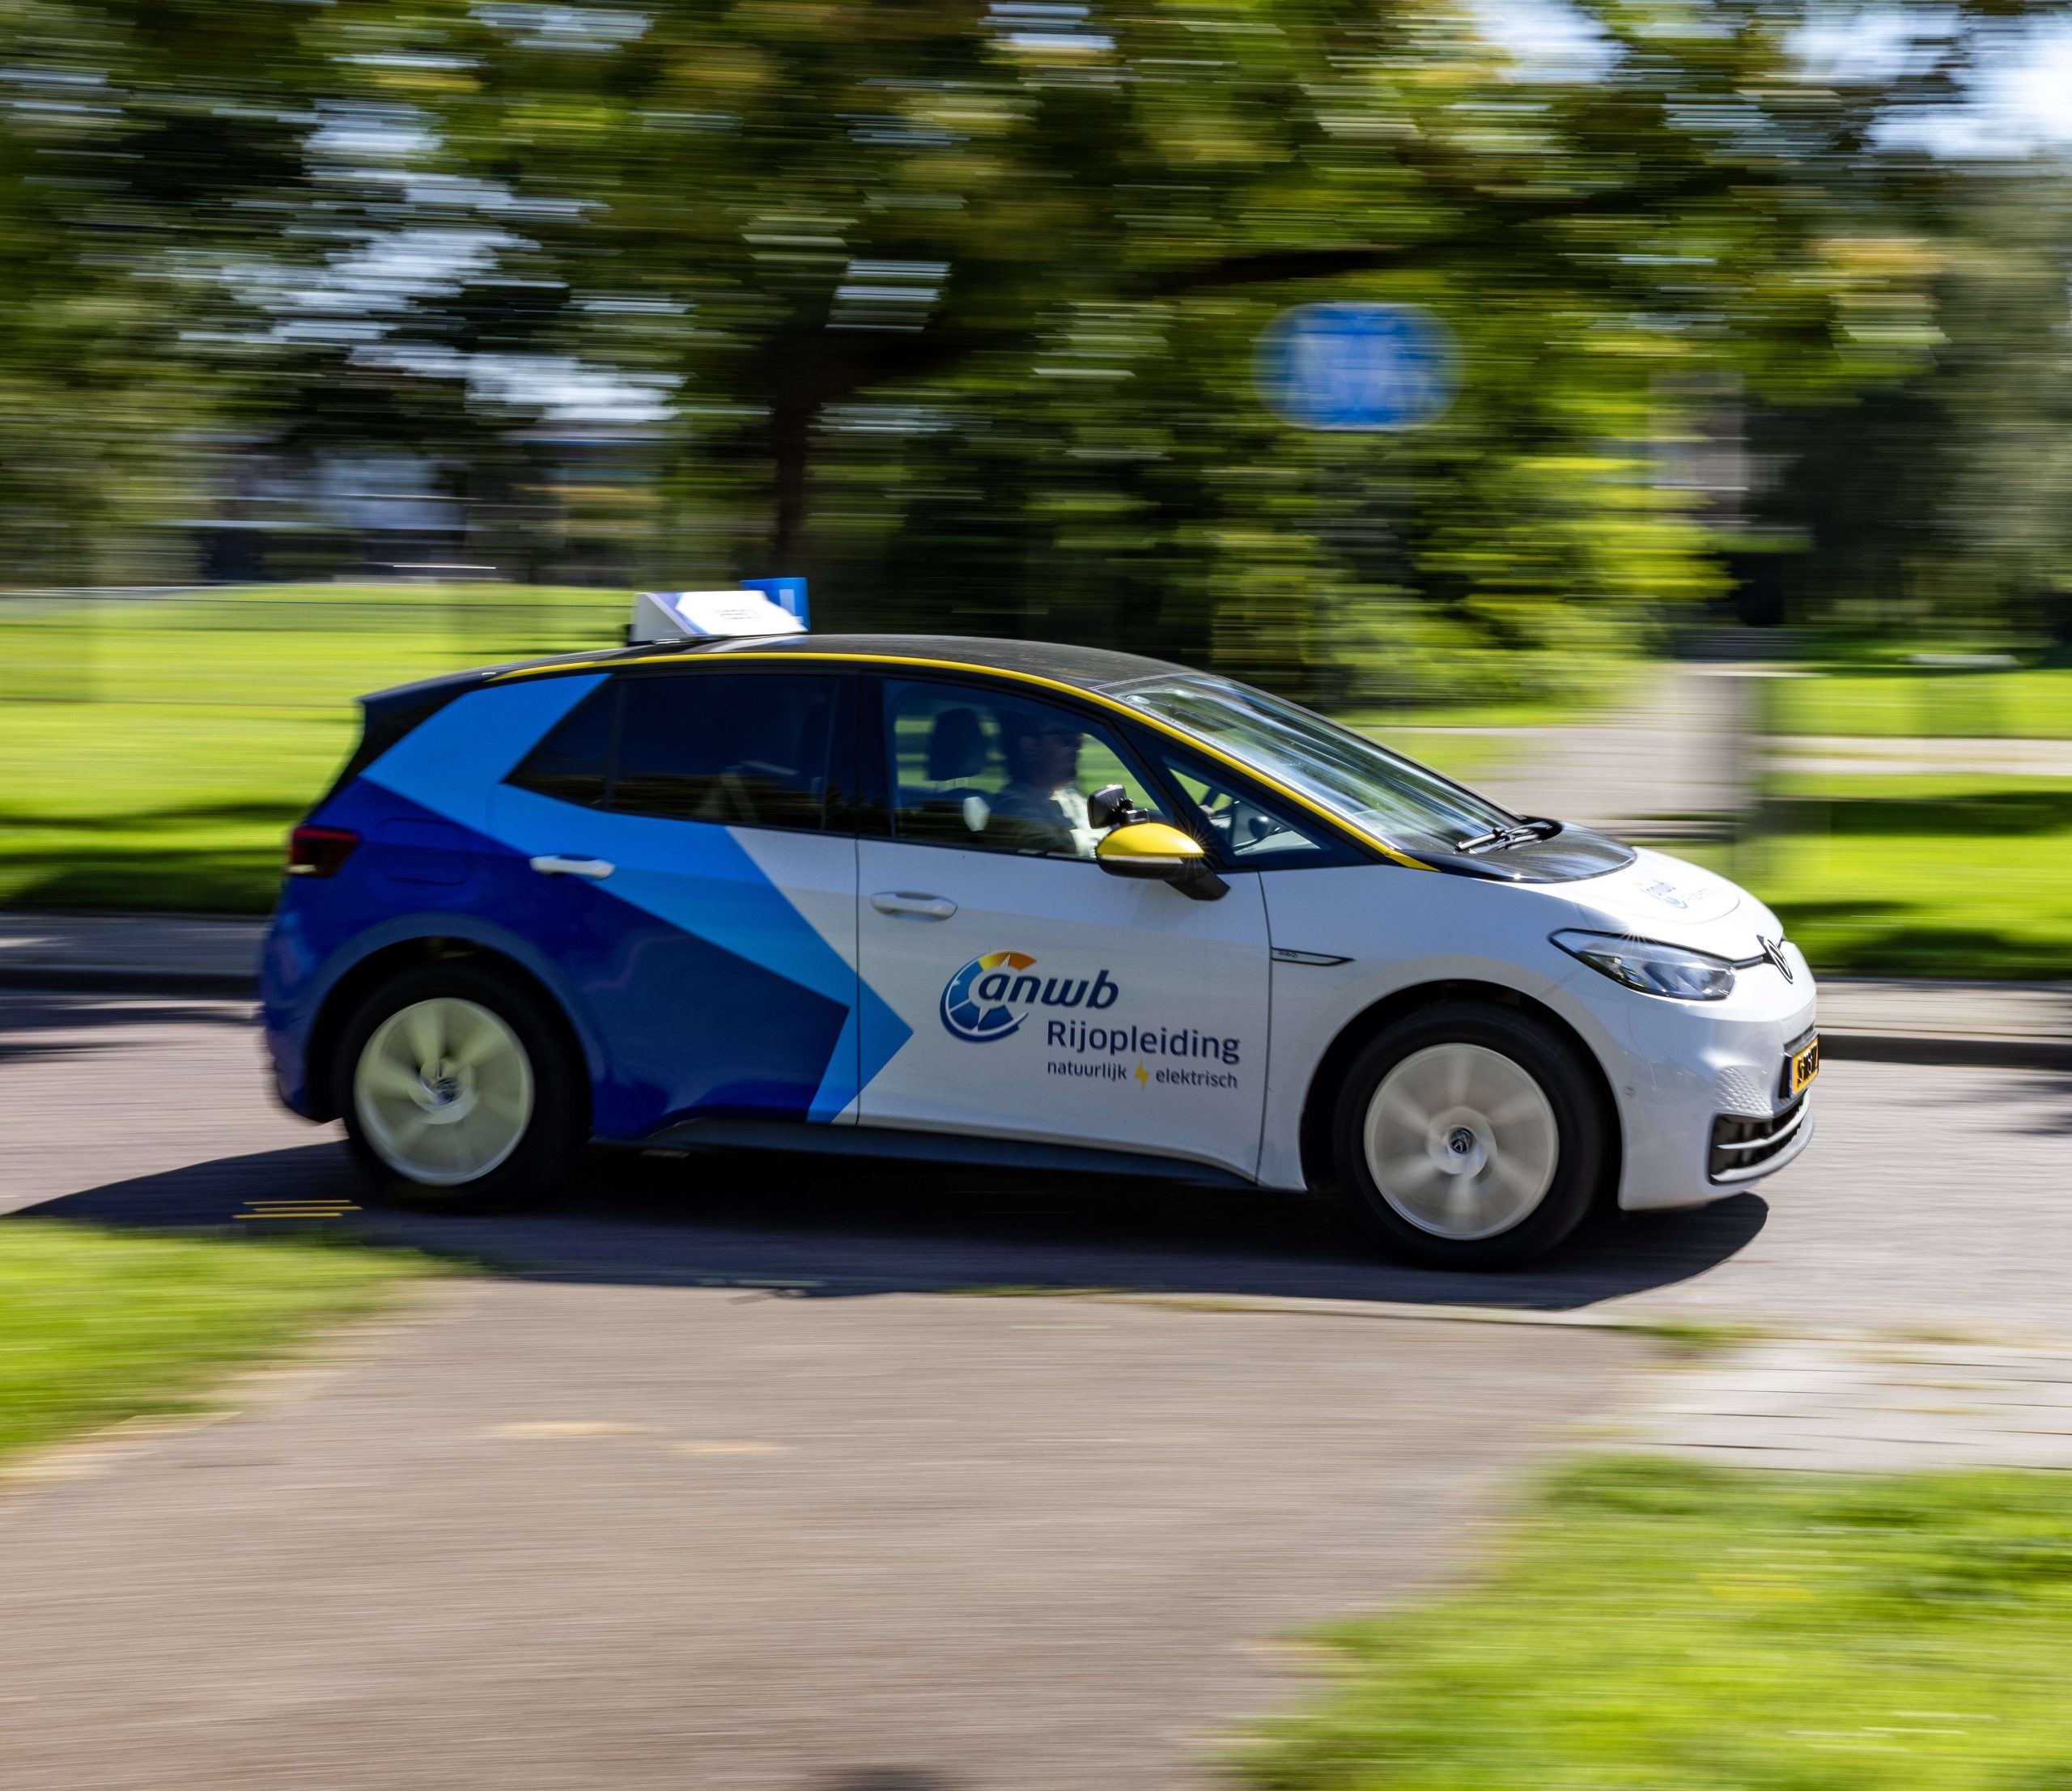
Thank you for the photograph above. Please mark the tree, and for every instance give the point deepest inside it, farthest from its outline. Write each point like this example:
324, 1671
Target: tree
1935, 502
953, 304
961, 301
145, 152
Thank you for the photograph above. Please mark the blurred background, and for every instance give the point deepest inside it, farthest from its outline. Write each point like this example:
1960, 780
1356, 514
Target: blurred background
1702, 469
343, 342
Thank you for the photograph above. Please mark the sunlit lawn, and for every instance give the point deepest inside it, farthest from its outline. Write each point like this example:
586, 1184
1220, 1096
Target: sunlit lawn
1465, 756
152, 755
98, 1326
2033, 704
1919, 876
1655, 1626
1610, 687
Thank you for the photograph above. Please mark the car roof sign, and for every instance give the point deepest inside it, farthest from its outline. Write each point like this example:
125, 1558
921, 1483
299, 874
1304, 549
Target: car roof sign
697, 615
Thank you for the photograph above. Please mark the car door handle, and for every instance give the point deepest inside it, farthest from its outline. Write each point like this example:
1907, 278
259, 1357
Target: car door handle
554, 864
921, 907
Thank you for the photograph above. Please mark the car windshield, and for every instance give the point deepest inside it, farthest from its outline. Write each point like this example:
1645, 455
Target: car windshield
1383, 792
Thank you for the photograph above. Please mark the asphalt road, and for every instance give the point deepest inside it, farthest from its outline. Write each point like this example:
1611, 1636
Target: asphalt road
714, 1487
1932, 1196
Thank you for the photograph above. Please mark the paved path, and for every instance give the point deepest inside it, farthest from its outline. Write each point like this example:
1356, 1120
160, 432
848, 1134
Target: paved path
1858, 755
1892, 1019
667, 1537
1671, 763
714, 1488
176, 952
1861, 1406
1932, 1196
594, 1524
1679, 762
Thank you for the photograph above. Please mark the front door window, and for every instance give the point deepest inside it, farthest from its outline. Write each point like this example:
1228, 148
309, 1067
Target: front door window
996, 771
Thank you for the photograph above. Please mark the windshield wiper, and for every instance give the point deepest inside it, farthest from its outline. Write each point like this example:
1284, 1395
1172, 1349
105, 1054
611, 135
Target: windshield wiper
1533, 827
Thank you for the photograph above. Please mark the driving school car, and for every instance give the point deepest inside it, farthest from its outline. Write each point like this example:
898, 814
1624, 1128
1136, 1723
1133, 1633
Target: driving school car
1002, 902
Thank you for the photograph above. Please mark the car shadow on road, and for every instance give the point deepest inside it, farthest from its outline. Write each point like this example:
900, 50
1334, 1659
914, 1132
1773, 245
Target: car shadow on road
40, 1023
829, 1227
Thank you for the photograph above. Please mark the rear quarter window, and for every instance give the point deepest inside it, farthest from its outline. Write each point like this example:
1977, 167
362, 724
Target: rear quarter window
747, 749
572, 761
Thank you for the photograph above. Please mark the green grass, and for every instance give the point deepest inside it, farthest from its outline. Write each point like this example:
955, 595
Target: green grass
1615, 685
99, 1326
1428, 731
1919, 876
2031, 704
152, 755
1653, 1627
1465, 757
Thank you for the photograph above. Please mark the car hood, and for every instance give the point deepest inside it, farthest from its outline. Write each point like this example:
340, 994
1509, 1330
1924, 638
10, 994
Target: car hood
1661, 897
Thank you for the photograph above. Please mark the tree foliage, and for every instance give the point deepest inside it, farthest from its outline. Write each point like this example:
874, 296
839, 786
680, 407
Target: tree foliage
1936, 504
952, 305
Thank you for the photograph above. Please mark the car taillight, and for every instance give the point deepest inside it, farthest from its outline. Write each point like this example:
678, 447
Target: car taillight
320, 851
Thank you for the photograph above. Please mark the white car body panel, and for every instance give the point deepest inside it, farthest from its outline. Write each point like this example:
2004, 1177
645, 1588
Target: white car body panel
1672, 1066
1172, 1062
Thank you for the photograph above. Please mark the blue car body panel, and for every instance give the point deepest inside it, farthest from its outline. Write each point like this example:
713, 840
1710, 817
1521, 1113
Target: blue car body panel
695, 986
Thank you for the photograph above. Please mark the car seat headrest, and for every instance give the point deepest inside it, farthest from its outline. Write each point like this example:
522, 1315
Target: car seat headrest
957, 746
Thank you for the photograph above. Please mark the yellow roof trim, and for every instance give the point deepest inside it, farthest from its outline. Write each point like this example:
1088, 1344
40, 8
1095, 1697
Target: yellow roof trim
1142, 718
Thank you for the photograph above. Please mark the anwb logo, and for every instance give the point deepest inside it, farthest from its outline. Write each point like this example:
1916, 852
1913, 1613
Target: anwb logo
991, 996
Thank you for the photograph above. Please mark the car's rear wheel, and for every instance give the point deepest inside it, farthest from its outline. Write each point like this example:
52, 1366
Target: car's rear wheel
1468, 1135
458, 1091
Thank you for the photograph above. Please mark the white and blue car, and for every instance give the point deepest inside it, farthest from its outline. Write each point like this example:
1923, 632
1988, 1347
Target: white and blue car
1001, 901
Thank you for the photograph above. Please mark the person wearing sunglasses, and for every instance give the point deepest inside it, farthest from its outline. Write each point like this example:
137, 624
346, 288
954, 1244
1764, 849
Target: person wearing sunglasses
1043, 795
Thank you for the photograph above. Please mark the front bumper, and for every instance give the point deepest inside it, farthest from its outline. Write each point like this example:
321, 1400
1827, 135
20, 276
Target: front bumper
1746, 1150
1680, 1068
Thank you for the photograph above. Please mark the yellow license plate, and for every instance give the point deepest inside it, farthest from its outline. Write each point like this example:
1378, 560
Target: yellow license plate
1804, 1066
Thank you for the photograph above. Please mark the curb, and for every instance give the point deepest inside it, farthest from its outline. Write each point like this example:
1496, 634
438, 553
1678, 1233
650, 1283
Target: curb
1948, 1050
95, 979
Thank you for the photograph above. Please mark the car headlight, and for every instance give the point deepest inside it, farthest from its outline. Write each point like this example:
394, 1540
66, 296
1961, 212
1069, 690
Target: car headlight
1671, 971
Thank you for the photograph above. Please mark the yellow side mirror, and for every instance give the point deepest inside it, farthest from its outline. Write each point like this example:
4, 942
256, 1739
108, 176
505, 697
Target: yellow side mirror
1148, 849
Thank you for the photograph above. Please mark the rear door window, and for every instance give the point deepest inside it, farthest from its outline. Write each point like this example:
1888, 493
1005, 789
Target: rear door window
735, 749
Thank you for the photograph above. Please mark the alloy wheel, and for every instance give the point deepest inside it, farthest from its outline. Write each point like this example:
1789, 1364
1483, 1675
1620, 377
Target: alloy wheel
1461, 1141
444, 1090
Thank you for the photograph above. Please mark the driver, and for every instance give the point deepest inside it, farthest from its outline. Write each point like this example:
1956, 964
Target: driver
1042, 793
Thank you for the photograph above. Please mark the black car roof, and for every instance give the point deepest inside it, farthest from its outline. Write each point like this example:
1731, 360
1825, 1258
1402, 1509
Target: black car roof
1089, 668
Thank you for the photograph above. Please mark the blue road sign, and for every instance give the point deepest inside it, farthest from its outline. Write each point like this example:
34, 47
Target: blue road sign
1347, 365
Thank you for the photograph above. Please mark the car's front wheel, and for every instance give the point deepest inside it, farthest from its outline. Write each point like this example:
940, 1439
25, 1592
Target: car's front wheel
1467, 1135
459, 1092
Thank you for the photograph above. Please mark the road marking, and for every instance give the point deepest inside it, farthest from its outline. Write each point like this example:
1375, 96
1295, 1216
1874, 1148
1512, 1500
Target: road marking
296, 1209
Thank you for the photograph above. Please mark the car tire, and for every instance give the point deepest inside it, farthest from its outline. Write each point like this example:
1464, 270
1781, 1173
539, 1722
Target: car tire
460, 1090
1469, 1136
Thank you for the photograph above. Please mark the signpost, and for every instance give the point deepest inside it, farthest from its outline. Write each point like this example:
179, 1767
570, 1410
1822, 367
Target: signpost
1348, 365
